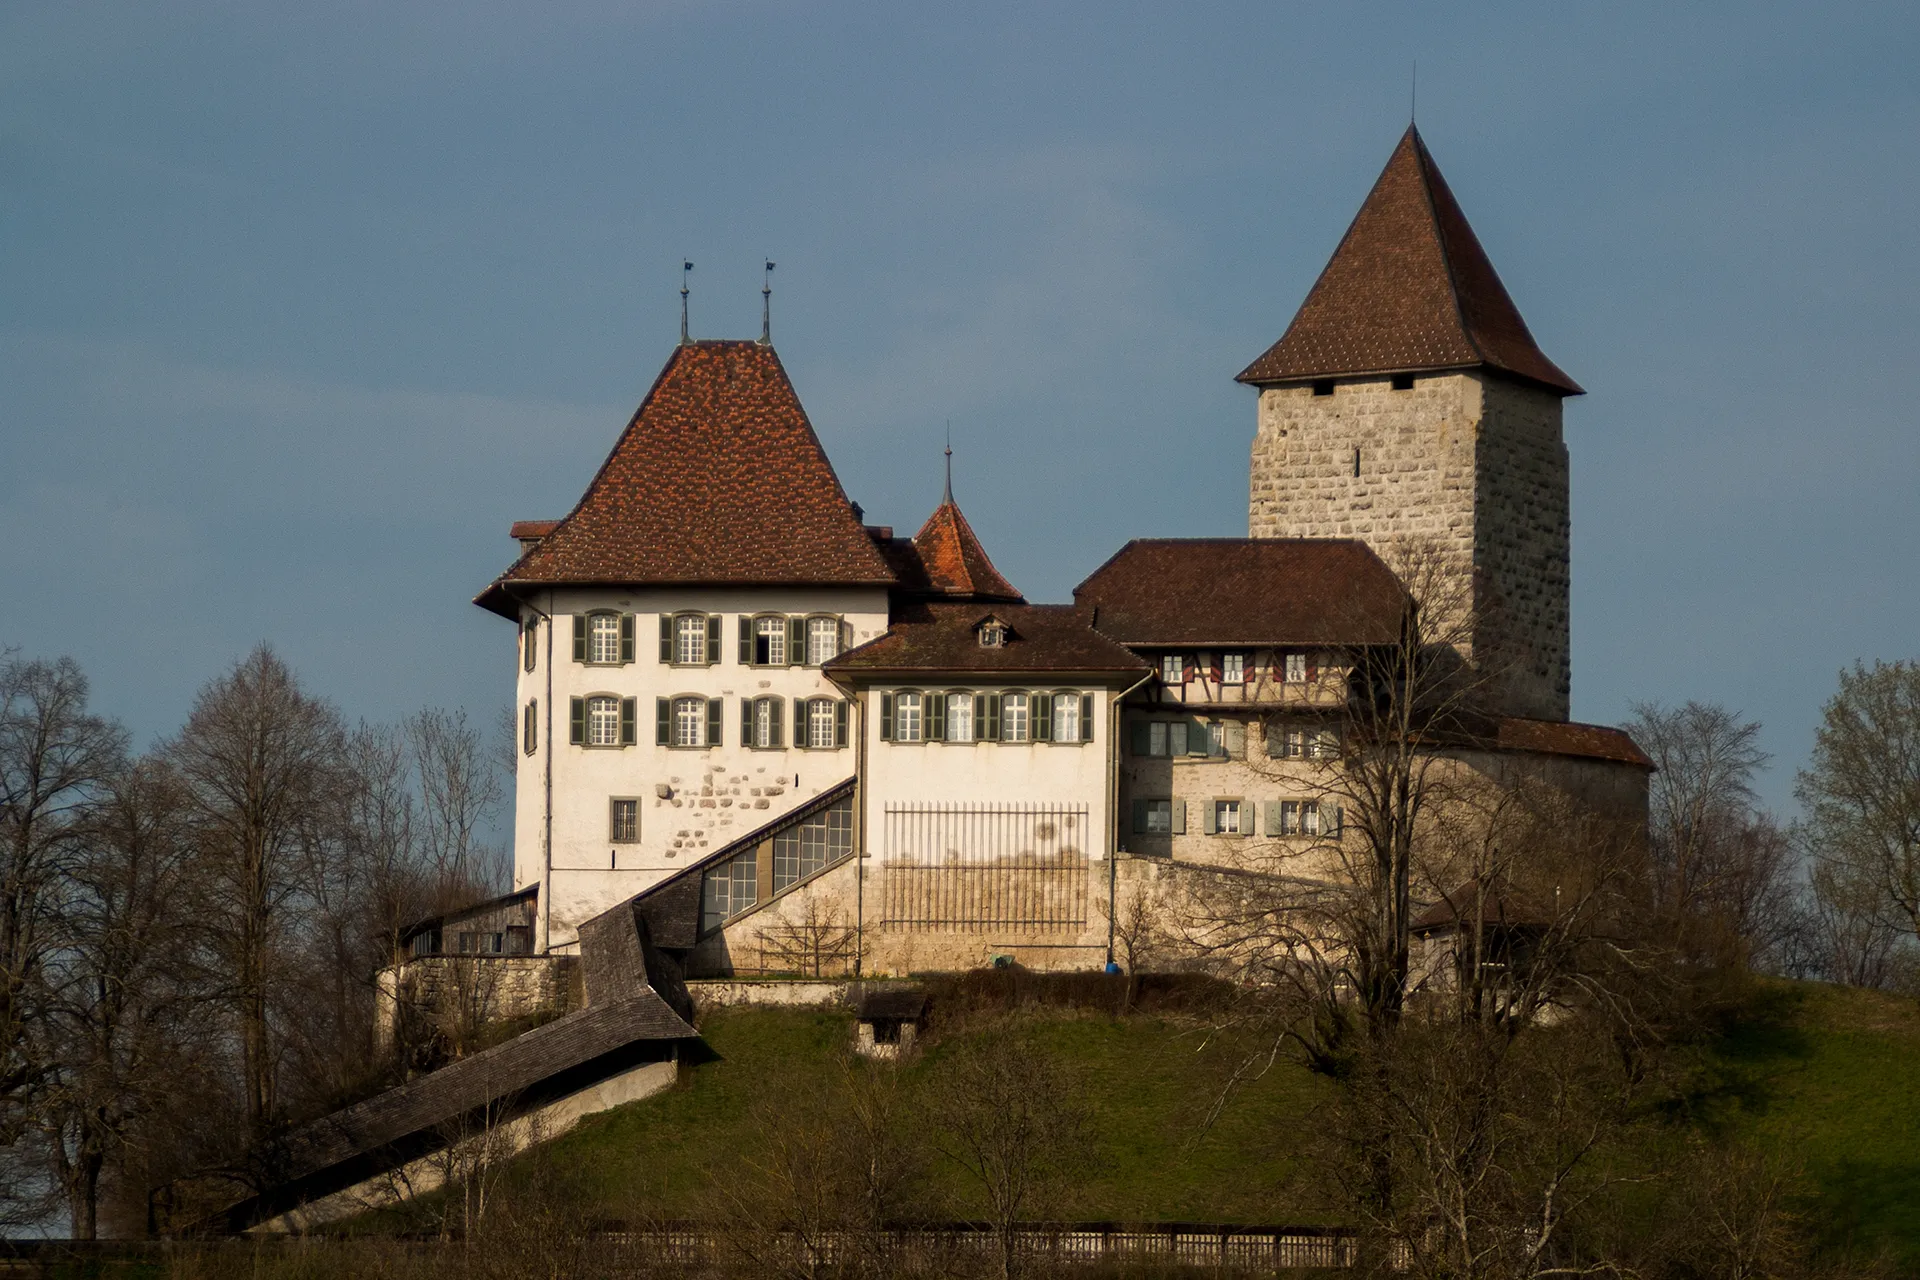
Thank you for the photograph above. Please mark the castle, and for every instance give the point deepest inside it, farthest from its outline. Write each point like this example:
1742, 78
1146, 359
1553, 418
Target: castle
796, 742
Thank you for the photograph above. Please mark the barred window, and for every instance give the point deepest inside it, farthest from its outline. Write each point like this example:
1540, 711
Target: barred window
822, 723
823, 640
690, 720
690, 639
959, 717
1066, 717
603, 637
729, 889
625, 822
603, 722
908, 725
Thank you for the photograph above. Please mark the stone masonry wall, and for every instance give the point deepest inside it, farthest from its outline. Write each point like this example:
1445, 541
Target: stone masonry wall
1474, 466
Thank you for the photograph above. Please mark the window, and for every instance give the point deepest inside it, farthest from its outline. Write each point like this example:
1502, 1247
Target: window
530, 727
729, 889
1324, 744
1014, 721
1216, 739
1067, 726
812, 844
1226, 818
603, 722
529, 646
1403, 382
907, 723
1286, 741
1303, 818
690, 640
689, 722
769, 642
1323, 387
479, 943
1160, 817
1173, 669
1233, 668
826, 723
959, 717
624, 824
1174, 737
993, 635
823, 640
1294, 668
762, 722
603, 638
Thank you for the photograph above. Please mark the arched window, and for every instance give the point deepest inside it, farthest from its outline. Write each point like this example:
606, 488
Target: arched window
603, 721
959, 717
1015, 718
1066, 717
763, 722
690, 722
823, 640
826, 724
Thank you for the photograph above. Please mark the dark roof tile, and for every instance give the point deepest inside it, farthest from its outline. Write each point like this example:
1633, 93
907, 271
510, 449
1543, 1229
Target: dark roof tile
942, 636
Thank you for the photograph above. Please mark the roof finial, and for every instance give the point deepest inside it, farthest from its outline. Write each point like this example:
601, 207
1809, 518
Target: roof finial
685, 267
948, 495
766, 305
1413, 96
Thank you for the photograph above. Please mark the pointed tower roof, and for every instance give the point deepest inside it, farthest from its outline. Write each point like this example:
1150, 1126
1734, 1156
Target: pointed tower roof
717, 480
1409, 289
955, 562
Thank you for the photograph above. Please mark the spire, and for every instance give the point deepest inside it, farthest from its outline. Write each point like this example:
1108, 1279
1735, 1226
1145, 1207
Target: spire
766, 305
685, 267
946, 495
1409, 289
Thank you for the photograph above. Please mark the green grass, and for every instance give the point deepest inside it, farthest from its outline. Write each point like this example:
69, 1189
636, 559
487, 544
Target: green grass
1828, 1077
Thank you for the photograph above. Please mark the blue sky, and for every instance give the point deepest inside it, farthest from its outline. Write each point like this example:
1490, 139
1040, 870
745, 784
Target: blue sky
300, 306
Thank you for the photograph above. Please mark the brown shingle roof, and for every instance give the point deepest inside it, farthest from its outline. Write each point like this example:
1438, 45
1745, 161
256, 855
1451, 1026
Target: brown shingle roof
955, 562
1565, 738
1408, 289
718, 479
940, 636
1188, 591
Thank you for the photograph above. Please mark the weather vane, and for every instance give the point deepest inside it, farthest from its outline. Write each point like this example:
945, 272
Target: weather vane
766, 305
685, 267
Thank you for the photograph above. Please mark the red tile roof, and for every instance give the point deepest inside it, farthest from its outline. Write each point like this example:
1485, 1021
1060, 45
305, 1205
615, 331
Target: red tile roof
1201, 591
1408, 289
955, 562
1565, 738
941, 636
533, 528
717, 480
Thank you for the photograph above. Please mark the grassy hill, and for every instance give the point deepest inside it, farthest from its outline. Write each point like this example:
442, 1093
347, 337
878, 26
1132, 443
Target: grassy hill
1828, 1077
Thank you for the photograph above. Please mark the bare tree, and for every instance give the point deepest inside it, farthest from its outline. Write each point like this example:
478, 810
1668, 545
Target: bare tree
261, 761
124, 989
1007, 1115
459, 788
819, 941
1861, 796
56, 759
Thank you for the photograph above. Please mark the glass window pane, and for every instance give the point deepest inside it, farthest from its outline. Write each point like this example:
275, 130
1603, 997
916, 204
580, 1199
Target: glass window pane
1066, 717
689, 722
959, 717
906, 717
603, 638
603, 722
1157, 738
690, 638
1014, 717
823, 640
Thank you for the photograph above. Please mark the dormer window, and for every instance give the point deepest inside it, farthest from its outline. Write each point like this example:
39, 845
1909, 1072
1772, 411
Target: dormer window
993, 634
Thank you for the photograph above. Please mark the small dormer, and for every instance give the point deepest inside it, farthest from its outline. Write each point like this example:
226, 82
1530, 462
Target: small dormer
528, 533
992, 632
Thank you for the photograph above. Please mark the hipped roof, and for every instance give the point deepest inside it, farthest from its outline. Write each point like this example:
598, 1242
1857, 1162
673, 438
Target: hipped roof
955, 562
718, 479
1409, 289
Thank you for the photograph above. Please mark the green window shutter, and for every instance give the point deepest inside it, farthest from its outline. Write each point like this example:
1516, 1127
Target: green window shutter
1140, 737
1234, 740
986, 717
1179, 817
746, 722
800, 724
840, 723
714, 709
746, 641
579, 637
577, 721
1197, 739
1276, 740
796, 642
663, 722
629, 707
776, 721
1209, 819
1040, 707
1330, 820
1271, 810
1249, 813
713, 638
626, 637
1086, 717
936, 705
1139, 816
666, 637
886, 717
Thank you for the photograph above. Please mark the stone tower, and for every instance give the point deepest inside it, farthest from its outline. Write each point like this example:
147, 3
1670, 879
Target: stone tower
1408, 405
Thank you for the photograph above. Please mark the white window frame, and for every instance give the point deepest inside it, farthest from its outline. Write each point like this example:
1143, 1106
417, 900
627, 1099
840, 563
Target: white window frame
1222, 810
603, 639
1293, 668
823, 640
1158, 732
1233, 668
1016, 717
959, 717
603, 720
1173, 668
689, 639
1066, 717
771, 628
764, 710
909, 716
689, 722
823, 728
1159, 817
